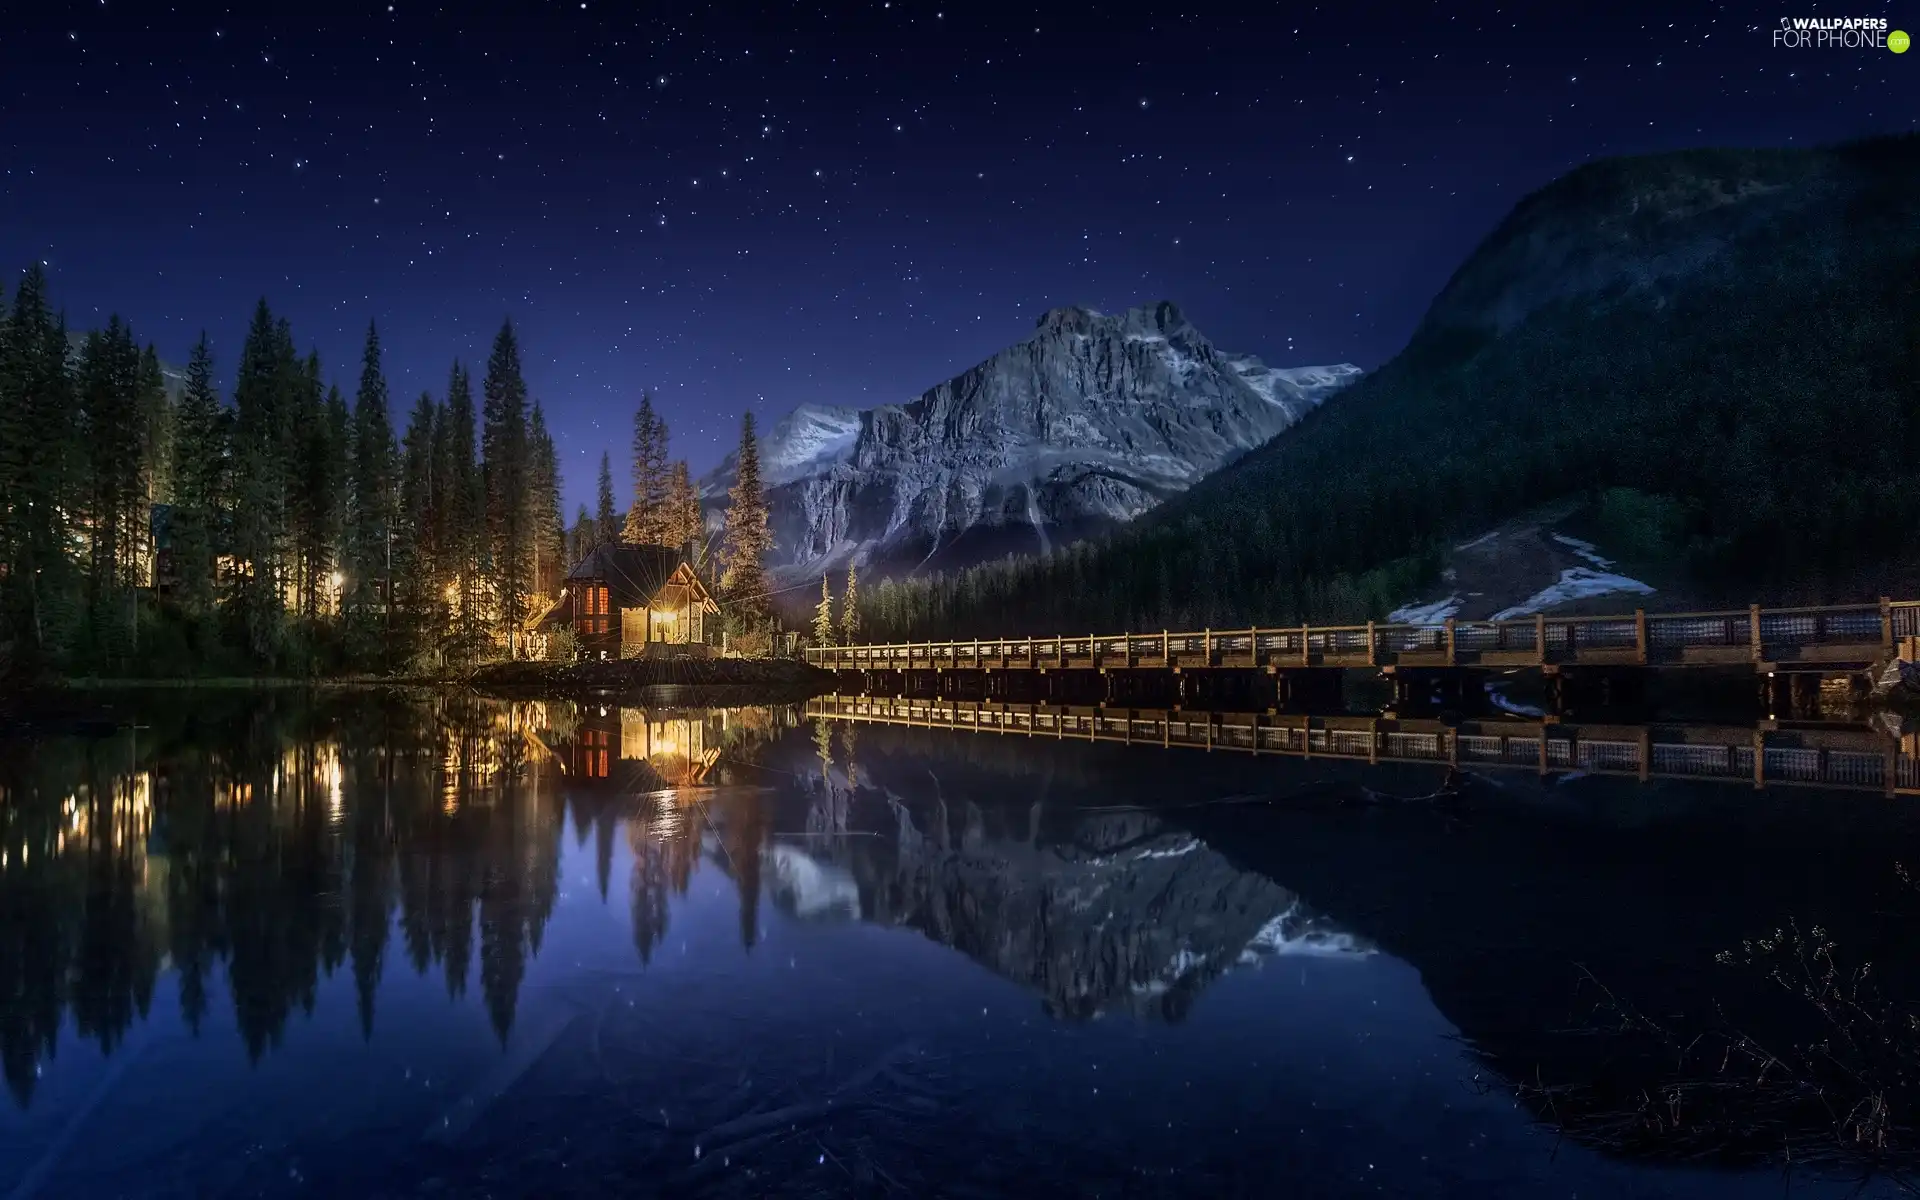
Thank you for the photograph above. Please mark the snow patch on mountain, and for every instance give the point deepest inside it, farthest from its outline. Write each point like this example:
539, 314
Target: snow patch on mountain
1295, 389
806, 441
1586, 550
1575, 583
1435, 613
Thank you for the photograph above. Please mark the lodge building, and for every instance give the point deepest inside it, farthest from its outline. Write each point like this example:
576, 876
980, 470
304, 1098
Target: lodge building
626, 601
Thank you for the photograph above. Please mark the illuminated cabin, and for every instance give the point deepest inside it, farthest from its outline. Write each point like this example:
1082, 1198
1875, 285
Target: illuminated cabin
625, 601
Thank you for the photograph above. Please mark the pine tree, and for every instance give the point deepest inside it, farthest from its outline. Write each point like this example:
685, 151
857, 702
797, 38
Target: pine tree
39, 462
544, 512
414, 551
747, 538
371, 526
582, 538
850, 610
157, 422
258, 497
647, 519
609, 522
823, 616
465, 489
333, 455
316, 495
111, 418
441, 472
200, 454
504, 464
682, 520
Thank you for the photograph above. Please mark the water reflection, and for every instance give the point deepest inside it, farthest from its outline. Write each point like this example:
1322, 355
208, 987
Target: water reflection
790, 902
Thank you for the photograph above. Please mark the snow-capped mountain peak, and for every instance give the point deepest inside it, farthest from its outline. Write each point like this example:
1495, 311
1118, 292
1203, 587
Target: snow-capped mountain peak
1090, 420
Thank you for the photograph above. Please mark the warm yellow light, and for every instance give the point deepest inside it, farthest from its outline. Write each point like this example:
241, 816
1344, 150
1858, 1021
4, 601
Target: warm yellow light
336, 579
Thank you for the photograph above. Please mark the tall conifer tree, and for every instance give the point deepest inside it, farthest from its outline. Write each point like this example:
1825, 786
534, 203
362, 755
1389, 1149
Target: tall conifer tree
609, 515
414, 551
682, 521
544, 512
335, 456
466, 500
850, 610
315, 498
747, 538
199, 455
39, 460
647, 519
374, 500
111, 414
823, 622
503, 444
258, 497
582, 538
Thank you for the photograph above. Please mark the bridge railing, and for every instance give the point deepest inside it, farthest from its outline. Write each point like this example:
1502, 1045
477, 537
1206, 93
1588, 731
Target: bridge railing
1838, 757
1837, 633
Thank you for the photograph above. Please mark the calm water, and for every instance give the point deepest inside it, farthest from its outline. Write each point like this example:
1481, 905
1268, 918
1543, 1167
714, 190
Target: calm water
382, 947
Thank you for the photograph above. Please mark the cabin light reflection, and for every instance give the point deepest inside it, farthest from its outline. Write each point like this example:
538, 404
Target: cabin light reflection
336, 792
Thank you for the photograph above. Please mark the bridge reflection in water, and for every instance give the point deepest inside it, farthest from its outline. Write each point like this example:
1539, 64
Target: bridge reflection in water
1833, 755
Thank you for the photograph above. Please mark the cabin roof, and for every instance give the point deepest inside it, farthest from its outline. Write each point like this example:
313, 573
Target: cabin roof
635, 574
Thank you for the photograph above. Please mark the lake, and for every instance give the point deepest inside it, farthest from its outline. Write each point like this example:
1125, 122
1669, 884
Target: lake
396, 945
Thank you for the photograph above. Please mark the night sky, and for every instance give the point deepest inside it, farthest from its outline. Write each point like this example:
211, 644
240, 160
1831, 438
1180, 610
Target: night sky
760, 205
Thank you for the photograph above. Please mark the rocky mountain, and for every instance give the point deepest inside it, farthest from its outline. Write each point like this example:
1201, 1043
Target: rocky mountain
1090, 421
1095, 912
1635, 336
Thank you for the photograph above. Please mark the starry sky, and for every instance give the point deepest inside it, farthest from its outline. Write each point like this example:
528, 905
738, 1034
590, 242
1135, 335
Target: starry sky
757, 205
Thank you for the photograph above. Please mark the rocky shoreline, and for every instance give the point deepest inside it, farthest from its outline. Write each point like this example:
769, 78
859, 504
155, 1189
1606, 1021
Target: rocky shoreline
735, 680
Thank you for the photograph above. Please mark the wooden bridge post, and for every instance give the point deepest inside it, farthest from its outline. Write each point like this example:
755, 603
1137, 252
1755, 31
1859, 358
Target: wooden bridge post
1206, 646
1759, 758
1753, 632
1540, 640
1306, 659
1253, 647
1646, 753
1450, 641
1886, 627
1373, 651
1640, 638
1166, 649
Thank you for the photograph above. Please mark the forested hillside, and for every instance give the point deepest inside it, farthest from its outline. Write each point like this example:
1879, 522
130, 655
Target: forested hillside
1730, 339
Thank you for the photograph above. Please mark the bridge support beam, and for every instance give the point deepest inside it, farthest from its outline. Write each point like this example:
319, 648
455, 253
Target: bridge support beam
1312, 689
1576, 688
1440, 689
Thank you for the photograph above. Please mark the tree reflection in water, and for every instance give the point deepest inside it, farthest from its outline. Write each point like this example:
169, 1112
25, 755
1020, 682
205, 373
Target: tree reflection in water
276, 839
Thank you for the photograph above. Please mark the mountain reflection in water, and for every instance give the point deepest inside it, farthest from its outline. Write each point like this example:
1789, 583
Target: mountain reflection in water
593, 949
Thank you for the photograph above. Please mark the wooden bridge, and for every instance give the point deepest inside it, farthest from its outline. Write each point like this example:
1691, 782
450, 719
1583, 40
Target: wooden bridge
1831, 639
1836, 756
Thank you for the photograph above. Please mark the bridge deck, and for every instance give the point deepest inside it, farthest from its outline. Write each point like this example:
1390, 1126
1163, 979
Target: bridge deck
1844, 757
1831, 638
